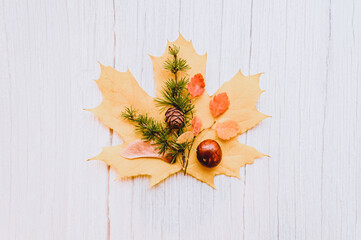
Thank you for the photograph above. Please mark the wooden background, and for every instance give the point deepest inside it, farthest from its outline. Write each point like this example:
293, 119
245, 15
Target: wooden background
310, 53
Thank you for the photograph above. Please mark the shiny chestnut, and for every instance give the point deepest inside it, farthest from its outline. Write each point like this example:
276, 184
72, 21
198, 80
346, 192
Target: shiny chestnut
209, 153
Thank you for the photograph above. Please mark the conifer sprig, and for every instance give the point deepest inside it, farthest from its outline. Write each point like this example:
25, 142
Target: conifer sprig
174, 94
147, 126
151, 130
176, 64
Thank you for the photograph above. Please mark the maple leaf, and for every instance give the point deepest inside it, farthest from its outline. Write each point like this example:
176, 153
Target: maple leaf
120, 90
227, 129
196, 85
219, 104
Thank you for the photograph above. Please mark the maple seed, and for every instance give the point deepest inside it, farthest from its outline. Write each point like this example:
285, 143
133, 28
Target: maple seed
209, 153
174, 118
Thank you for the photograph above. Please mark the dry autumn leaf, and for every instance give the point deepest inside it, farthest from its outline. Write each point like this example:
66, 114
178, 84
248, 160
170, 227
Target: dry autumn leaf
139, 149
196, 85
196, 125
185, 137
219, 104
120, 89
227, 129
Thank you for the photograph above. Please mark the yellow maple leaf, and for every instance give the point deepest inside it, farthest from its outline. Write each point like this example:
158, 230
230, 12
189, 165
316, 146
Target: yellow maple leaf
120, 90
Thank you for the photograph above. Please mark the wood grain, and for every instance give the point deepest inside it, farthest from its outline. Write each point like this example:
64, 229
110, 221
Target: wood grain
310, 54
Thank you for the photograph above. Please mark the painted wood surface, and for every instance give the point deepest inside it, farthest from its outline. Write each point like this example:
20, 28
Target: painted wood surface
310, 52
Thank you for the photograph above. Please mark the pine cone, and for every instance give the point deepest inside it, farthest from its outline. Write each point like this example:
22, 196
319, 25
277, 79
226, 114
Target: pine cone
174, 118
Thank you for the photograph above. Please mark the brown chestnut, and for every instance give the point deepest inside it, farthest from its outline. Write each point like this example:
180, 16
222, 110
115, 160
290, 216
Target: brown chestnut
209, 153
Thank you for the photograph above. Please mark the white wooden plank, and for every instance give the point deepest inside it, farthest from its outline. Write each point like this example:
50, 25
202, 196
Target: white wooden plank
129, 40
341, 155
52, 51
89, 183
269, 200
288, 44
5, 129
200, 205
356, 62
310, 72
135, 211
235, 52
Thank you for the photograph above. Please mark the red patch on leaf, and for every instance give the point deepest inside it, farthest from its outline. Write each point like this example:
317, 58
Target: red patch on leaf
196, 85
196, 125
219, 104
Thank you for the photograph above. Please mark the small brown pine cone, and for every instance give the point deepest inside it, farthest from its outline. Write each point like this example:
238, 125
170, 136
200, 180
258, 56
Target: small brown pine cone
174, 118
